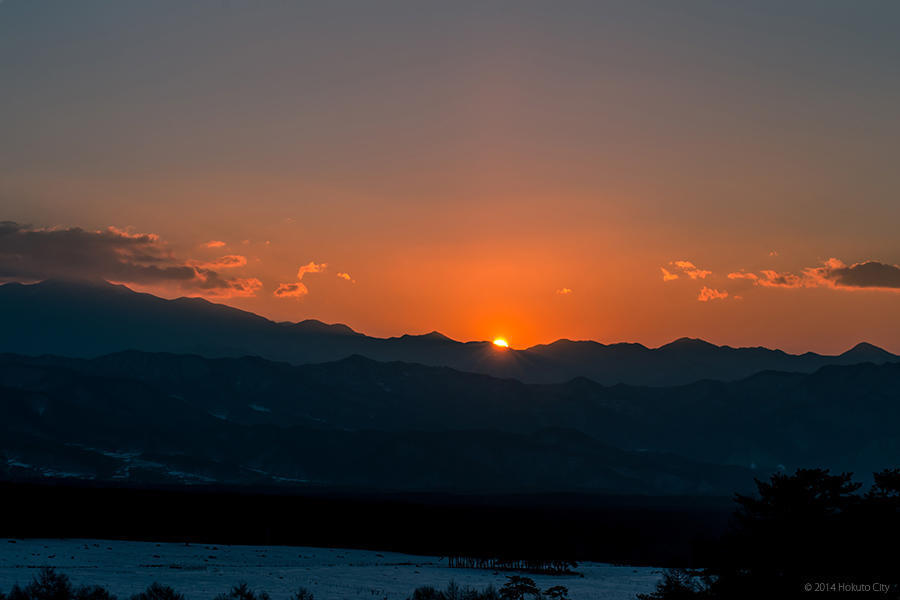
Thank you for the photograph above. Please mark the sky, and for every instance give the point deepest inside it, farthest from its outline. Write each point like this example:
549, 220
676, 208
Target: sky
616, 171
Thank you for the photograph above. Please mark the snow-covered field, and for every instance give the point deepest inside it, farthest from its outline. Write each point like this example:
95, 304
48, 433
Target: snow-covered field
201, 571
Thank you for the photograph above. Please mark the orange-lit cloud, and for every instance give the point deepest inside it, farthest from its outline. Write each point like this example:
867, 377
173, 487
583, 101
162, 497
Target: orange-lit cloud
833, 273
668, 275
707, 294
298, 289
310, 267
870, 274
690, 269
346, 277
238, 287
564, 291
214, 244
229, 261
743, 275
113, 254
772, 278
127, 233
291, 290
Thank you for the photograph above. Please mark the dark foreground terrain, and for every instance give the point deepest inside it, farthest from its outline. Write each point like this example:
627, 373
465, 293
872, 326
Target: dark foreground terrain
659, 531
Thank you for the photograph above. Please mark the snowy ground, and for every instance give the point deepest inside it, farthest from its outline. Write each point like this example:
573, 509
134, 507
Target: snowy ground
202, 571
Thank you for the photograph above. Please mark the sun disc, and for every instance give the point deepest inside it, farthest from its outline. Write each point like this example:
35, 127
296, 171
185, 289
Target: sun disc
501, 342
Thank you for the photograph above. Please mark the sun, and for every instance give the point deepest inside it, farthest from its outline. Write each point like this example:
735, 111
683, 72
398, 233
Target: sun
501, 342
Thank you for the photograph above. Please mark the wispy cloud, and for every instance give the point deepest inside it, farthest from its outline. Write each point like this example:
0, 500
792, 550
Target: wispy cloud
234, 287
832, 273
214, 244
775, 279
743, 275
346, 277
564, 291
113, 254
291, 290
311, 267
297, 289
691, 270
229, 261
870, 274
707, 294
668, 275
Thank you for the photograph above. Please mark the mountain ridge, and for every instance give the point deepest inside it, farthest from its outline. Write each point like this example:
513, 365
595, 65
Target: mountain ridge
93, 319
686, 438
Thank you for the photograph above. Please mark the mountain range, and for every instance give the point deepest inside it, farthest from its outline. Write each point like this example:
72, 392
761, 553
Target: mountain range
90, 319
99, 382
358, 422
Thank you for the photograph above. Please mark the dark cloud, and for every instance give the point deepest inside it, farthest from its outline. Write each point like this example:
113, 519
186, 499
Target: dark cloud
869, 274
833, 273
291, 290
113, 254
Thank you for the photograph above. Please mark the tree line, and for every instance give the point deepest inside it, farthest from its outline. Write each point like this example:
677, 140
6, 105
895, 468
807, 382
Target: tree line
545, 566
803, 534
49, 584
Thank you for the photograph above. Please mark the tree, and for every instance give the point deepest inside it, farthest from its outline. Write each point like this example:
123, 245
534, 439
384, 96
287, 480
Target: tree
427, 592
557, 592
518, 588
677, 584
242, 592
94, 592
886, 487
50, 585
795, 530
157, 591
303, 594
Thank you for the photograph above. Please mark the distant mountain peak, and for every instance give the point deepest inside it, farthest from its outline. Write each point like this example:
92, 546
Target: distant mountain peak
568, 342
867, 350
687, 342
82, 282
436, 335
865, 346
316, 326
433, 335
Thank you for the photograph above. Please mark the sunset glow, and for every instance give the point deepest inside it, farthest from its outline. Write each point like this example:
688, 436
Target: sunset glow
507, 173
501, 342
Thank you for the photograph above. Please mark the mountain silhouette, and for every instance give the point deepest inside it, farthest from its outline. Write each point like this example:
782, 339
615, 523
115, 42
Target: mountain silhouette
88, 319
93, 420
361, 422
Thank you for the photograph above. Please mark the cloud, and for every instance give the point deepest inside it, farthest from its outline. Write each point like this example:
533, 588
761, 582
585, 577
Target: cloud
346, 277
291, 290
743, 275
238, 287
691, 270
667, 275
118, 255
833, 273
310, 267
564, 291
707, 294
775, 279
298, 289
229, 261
870, 274
214, 244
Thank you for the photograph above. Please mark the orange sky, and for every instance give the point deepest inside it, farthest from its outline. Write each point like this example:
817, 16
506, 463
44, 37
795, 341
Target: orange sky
463, 166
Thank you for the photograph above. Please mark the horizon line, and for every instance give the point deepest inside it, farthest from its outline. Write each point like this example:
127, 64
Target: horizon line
433, 333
